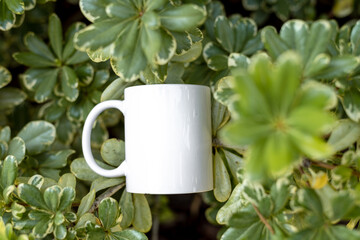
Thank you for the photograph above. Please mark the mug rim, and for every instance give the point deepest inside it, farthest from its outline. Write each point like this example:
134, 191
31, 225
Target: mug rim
168, 85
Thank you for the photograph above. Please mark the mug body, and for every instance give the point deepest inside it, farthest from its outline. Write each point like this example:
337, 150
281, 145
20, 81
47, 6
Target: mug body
168, 139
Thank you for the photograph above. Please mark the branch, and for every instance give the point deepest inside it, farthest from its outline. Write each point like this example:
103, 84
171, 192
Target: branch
267, 225
108, 193
330, 166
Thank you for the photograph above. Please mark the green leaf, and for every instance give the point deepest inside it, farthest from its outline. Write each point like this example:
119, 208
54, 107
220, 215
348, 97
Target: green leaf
46, 83
16, 6
247, 41
82, 171
234, 162
3, 149
31, 195
8, 171
65, 130
100, 78
37, 135
142, 215
60, 232
232, 206
344, 134
222, 183
183, 42
86, 203
224, 33
54, 159
175, 72
52, 197
10, 98
55, 35
99, 35
69, 48
126, 209
115, 90
355, 39
274, 45
236, 60
254, 192
317, 41
266, 206
5, 77
50, 173
129, 60
37, 181
339, 66
255, 231
124, 10
87, 217
182, 18
94, 10
224, 92
312, 146
168, 48
108, 212
191, 55
67, 196
33, 60
103, 183
101, 55
113, 151
67, 180
129, 234
99, 135
341, 204
287, 76
59, 218
219, 116
7, 18
17, 149
351, 104
17, 210
77, 58
5, 134
43, 228
30, 4
317, 95
280, 194
310, 200
215, 57
69, 83
295, 34
150, 35
232, 234
342, 232
7, 193
70, 216
37, 46
244, 218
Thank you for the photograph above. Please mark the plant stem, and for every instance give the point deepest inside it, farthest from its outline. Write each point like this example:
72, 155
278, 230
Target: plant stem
267, 225
108, 193
156, 220
330, 167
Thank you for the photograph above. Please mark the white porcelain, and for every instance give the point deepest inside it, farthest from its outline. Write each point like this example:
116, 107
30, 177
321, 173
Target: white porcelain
167, 139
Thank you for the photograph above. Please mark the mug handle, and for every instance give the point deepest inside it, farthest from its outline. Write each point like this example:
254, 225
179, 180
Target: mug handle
86, 139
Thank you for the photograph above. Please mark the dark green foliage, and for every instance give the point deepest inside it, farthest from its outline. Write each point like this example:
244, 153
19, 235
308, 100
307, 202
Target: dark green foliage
285, 114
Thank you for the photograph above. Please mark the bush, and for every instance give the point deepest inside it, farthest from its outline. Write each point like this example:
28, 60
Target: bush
285, 114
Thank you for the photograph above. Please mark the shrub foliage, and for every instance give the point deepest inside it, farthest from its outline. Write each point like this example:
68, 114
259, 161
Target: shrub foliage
285, 114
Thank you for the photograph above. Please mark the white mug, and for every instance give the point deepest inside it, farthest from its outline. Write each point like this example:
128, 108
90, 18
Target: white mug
167, 139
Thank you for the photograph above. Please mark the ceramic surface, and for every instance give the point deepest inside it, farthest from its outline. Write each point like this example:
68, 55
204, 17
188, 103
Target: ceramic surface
167, 139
